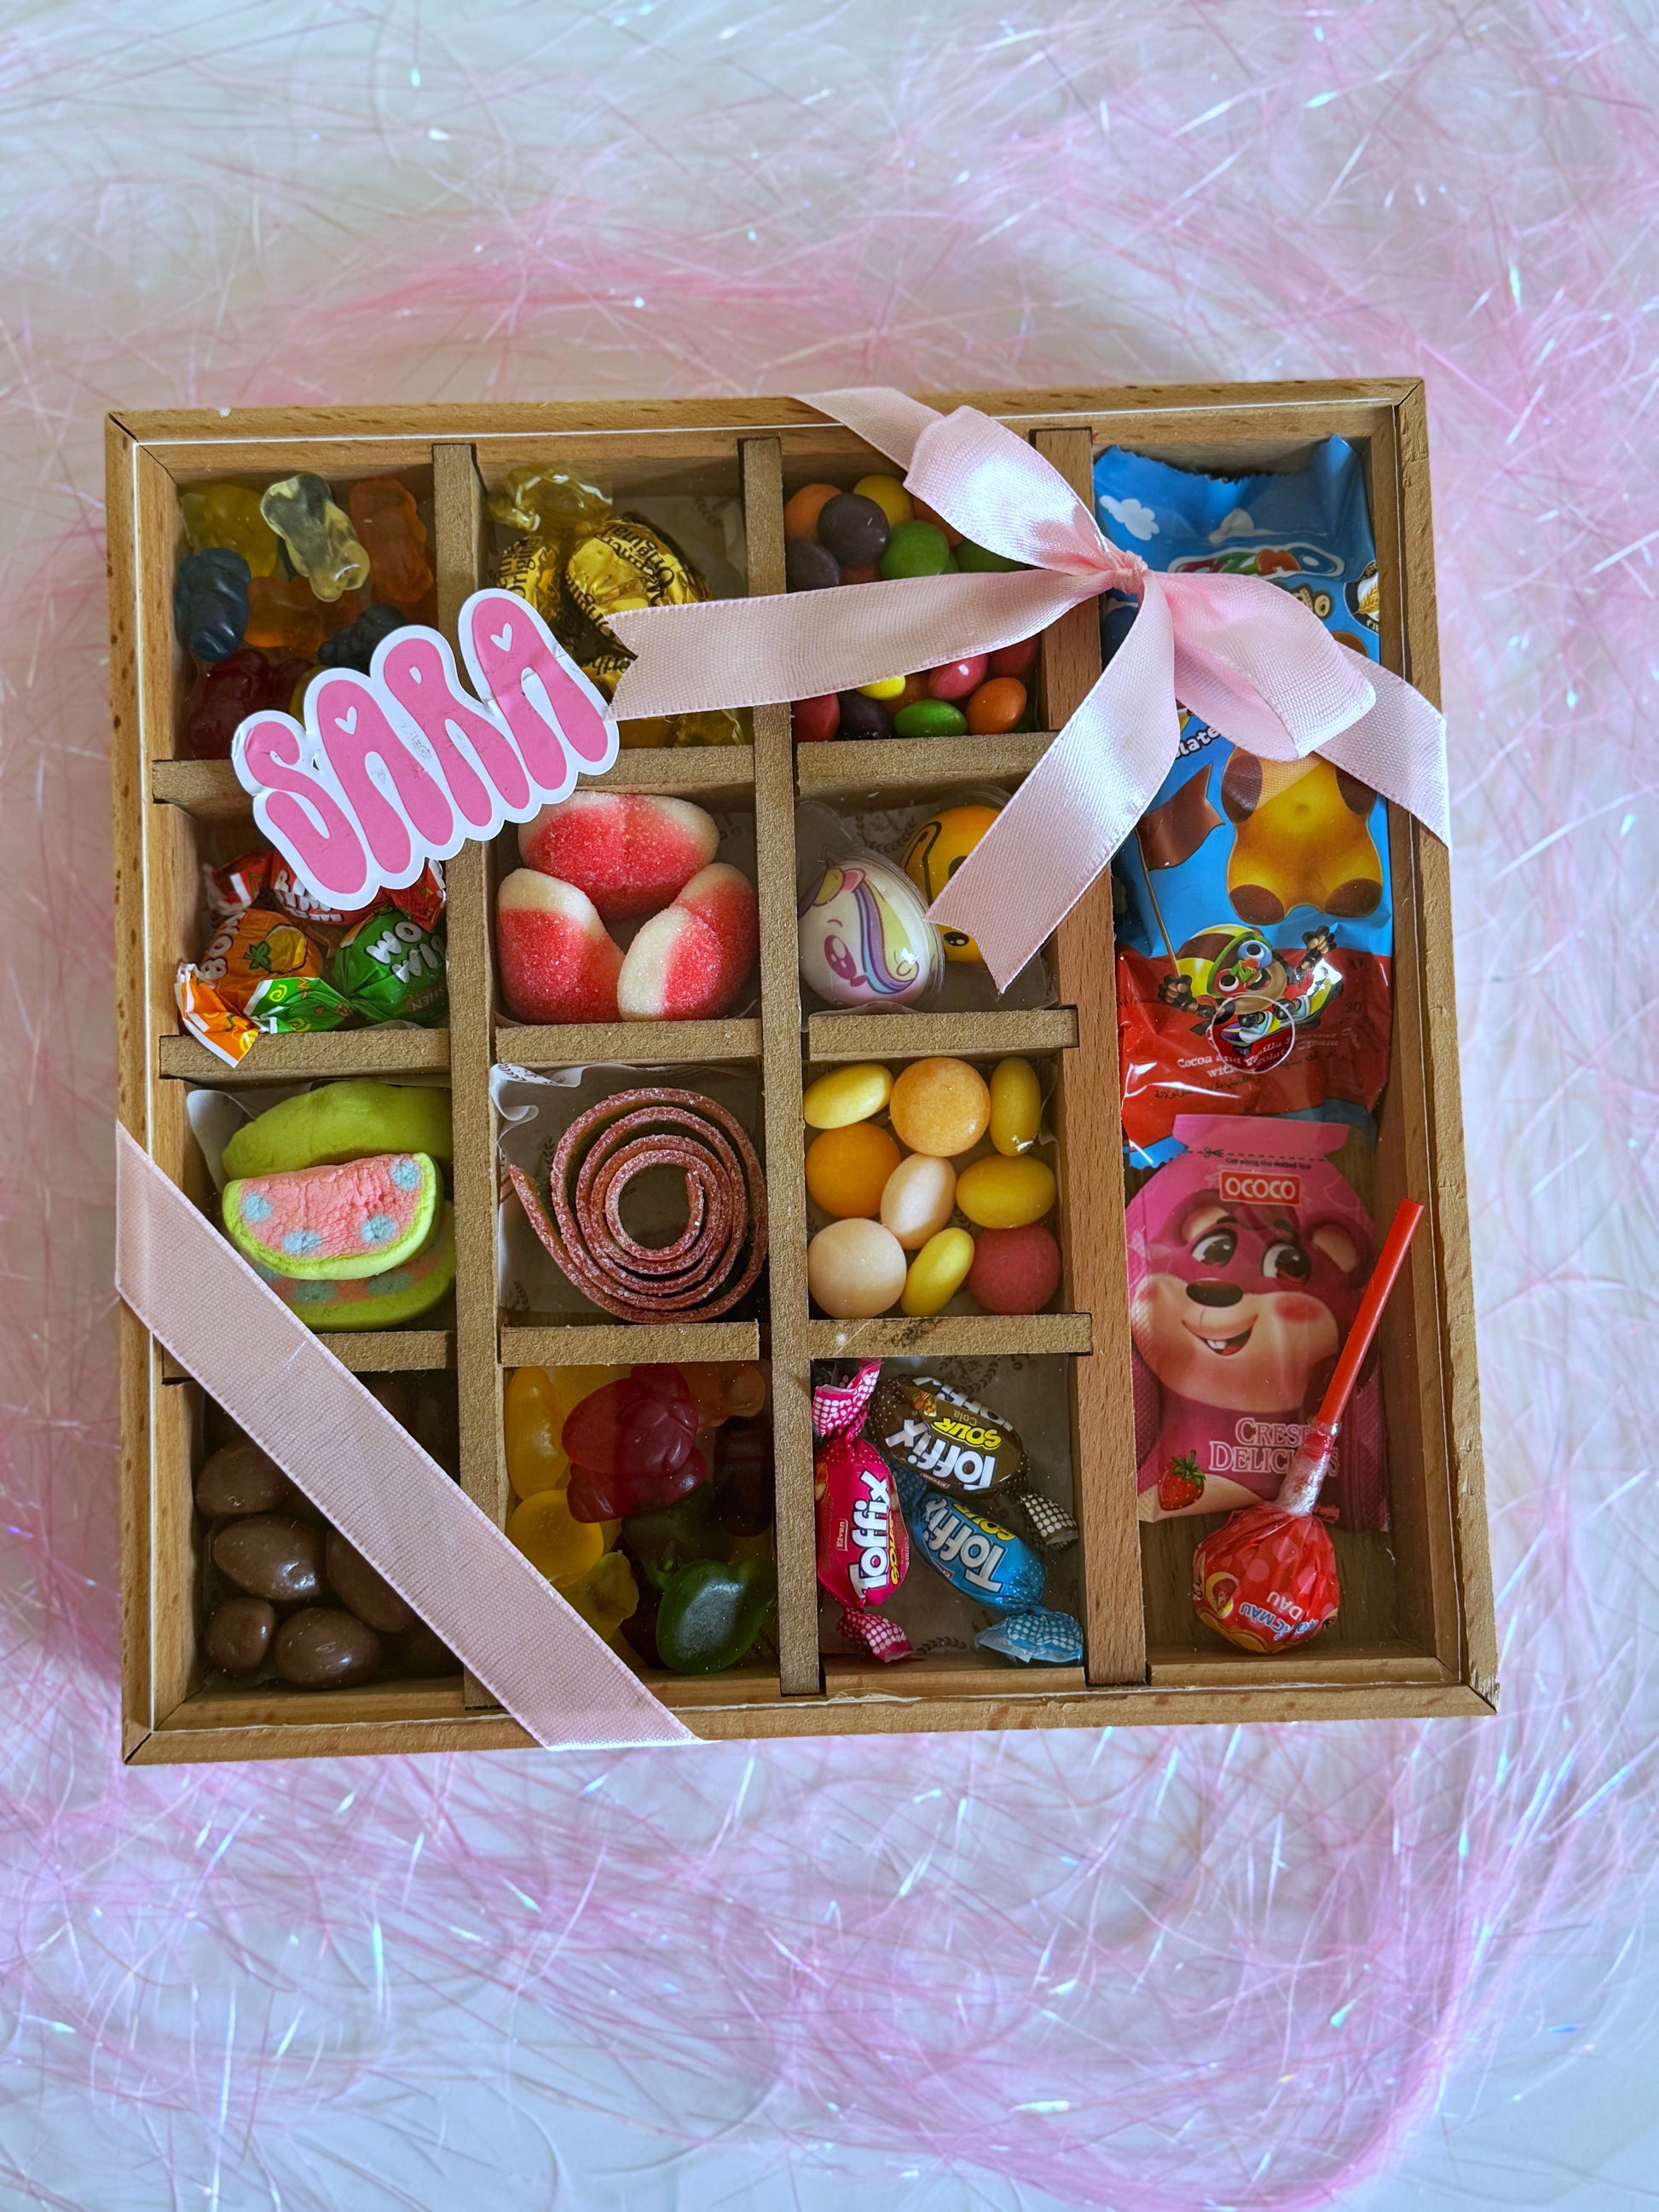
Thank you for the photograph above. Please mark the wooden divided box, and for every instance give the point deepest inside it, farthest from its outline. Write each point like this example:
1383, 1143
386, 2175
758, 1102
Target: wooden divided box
1415, 1634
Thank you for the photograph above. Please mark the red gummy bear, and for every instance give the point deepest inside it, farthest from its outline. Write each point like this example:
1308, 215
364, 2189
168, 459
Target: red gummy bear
632, 1446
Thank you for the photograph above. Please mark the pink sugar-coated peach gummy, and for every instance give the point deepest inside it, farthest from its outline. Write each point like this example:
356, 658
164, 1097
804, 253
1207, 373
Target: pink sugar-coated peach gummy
690, 962
558, 961
630, 853
1015, 1271
957, 678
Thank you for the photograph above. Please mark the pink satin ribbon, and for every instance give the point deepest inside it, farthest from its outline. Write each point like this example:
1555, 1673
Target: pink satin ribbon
1246, 656
339, 1445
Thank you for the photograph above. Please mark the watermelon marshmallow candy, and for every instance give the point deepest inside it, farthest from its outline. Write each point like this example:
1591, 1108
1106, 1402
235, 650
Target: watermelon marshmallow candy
337, 1223
385, 1301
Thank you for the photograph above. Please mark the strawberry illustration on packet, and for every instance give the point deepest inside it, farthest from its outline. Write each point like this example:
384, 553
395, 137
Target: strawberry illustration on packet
863, 1546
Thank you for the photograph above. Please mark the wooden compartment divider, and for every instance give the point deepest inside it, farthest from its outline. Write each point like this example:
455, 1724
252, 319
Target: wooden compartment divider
1416, 1634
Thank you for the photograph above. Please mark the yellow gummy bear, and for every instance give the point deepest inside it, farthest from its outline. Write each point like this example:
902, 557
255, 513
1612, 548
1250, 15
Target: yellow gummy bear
539, 1400
605, 1596
319, 535
554, 1541
229, 514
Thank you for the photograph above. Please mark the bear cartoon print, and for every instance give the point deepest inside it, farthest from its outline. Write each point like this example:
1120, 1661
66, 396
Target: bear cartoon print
1247, 1256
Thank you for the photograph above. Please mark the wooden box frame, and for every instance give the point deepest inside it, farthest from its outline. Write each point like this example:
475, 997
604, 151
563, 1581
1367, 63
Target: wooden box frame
1416, 1634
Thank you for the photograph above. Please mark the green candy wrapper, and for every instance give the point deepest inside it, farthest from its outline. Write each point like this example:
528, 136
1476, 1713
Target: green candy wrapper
389, 968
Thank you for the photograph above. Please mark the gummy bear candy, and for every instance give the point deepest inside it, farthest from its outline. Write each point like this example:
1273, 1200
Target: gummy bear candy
394, 537
632, 1446
661, 1543
742, 1489
533, 1418
244, 683
711, 1613
211, 602
353, 646
605, 1596
229, 514
554, 1541
283, 615
317, 535
725, 1388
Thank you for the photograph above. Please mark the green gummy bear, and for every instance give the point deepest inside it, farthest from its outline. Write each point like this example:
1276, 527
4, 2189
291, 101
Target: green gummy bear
663, 1542
711, 1613
350, 1121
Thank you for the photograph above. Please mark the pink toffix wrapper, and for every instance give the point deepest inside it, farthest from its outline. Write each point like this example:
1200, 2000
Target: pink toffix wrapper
863, 1546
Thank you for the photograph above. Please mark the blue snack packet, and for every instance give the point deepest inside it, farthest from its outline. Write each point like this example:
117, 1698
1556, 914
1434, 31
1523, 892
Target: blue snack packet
1257, 922
1051, 1638
978, 1557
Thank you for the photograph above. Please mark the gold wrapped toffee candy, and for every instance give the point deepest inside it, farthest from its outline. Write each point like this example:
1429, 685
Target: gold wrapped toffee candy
549, 503
627, 564
532, 567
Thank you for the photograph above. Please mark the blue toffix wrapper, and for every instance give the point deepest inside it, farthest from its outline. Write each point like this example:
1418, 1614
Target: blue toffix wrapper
983, 1560
1051, 1638
1257, 928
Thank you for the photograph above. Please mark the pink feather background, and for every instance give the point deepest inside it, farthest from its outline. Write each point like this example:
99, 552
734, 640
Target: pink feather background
1166, 1969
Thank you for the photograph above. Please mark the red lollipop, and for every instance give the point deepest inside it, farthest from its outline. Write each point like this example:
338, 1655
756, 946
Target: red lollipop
1266, 1579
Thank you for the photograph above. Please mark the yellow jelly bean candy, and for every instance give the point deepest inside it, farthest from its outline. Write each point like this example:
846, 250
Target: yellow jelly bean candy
889, 496
846, 1094
884, 687
1016, 1106
605, 1596
999, 1194
937, 1272
551, 1538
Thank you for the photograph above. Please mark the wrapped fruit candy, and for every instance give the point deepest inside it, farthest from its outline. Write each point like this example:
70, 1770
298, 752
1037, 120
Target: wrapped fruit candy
863, 1552
632, 1446
963, 1448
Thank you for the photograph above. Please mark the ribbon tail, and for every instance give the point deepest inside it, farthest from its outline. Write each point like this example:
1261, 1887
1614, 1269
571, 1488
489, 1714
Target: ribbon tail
1399, 748
1074, 809
890, 421
386, 1497
800, 645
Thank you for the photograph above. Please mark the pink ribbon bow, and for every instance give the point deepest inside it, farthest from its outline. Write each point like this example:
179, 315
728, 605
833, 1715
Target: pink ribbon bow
1247, 657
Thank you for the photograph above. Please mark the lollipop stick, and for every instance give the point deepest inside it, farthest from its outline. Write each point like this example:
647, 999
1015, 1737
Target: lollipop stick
1302, 1485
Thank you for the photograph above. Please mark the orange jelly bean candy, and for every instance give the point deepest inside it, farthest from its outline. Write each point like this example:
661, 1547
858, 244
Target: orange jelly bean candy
802, 510
847, 1169
996, 706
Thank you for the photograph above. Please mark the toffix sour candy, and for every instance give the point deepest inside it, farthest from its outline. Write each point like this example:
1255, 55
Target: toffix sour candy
1247, 1256
1257, 928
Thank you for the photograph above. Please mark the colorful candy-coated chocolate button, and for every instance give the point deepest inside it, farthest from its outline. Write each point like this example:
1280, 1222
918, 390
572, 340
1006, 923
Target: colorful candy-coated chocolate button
930, 718
855, 1269
996, 706
999, 1194
846, 1094
812, 720
809, 567
847, 1169
957, 678
980, 557
801, 511
917, 1200
941, 1106
1015, 660
884, 687
862, 716
1016, 1106
854, 528
1015, 1271
916, 549
890, 495
937, 1272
